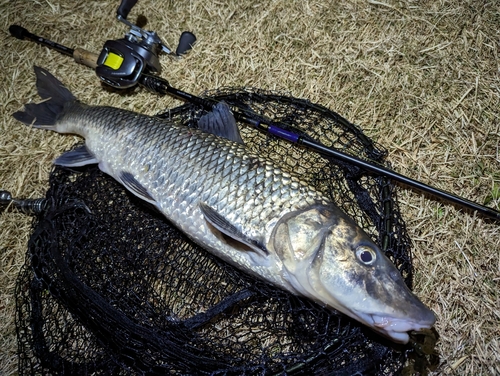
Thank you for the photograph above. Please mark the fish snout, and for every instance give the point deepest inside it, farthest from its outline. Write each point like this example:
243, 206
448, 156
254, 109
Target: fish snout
399, 310
397, 329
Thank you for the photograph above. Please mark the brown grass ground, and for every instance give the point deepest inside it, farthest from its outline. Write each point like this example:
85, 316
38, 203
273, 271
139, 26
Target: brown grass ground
421, 77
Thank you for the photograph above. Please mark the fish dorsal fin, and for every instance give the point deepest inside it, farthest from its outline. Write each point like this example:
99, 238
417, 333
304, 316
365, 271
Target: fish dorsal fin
80, 156
221, 122
228, 229
131, 183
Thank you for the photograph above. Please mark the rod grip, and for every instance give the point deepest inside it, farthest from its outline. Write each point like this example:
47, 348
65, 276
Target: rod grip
18, 32
85, 57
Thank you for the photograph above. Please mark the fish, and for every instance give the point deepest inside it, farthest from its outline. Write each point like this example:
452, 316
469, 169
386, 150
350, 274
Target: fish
241, 207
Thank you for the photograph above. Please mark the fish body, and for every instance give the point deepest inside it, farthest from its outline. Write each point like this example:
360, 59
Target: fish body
237, 205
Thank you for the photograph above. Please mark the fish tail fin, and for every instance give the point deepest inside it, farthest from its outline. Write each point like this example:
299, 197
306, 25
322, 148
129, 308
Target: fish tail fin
56, 97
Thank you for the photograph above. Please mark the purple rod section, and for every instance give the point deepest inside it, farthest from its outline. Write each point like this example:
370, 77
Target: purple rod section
283, 133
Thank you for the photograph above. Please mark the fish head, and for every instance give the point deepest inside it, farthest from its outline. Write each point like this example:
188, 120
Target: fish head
330, 259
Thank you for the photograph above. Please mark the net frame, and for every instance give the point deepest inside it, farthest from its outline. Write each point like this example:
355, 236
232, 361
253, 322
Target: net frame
120, 291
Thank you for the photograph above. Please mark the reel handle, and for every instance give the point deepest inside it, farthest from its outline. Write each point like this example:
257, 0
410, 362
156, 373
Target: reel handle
125, 8
186, 42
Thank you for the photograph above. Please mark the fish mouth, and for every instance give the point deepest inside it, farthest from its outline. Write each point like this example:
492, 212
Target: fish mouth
396, 328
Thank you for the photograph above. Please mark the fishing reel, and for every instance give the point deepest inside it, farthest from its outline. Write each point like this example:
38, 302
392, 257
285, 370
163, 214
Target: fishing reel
122, 62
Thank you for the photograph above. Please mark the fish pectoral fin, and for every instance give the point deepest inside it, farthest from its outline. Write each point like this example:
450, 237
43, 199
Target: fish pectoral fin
81, 156
131, 183
221, 122
228, 229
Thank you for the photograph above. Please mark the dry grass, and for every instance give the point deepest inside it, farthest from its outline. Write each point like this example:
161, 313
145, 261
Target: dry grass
421, 77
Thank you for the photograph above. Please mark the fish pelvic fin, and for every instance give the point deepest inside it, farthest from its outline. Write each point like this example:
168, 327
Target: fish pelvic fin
56, 98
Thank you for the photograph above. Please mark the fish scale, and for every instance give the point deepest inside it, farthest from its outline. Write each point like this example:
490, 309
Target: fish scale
217, 183
237, 205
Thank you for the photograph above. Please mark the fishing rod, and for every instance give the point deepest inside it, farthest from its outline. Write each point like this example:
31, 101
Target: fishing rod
162, 86
108, 68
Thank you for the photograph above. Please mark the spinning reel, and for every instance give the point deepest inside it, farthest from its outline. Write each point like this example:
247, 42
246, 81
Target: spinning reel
122, 62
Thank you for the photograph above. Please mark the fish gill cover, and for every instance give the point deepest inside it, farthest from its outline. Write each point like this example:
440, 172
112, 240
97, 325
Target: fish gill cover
120, 291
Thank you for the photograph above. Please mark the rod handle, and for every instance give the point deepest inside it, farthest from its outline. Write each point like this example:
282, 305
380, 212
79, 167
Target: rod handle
85, 57
18, 32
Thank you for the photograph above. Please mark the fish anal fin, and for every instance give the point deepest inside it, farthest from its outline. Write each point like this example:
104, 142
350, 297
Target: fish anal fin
80, 156
131, 183
228, 229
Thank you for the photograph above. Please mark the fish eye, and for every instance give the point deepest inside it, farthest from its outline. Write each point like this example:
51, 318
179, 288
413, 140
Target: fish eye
366, 255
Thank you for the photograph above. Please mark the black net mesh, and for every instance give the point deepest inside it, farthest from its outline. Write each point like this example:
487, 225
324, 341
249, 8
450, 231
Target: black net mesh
120, 291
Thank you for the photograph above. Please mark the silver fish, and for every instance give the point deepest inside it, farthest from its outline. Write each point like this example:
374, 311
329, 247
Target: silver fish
237, 205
